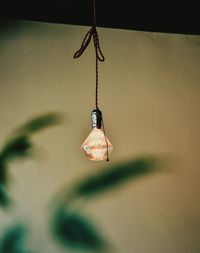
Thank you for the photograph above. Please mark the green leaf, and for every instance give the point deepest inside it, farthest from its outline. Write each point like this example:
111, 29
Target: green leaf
39, 123
4, 197
114, 176
13, 240
3, 170
73, 230
18, 147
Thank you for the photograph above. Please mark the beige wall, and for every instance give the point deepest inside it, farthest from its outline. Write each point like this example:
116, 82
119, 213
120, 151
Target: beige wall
150, 97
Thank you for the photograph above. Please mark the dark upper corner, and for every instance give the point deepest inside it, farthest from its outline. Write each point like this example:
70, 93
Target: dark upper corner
175, 16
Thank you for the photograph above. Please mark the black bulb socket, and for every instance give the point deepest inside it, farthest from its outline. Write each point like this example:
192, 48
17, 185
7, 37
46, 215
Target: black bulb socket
96, 117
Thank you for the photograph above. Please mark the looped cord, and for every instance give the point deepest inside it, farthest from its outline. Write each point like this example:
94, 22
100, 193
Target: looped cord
84, 44
99, 55
86, 41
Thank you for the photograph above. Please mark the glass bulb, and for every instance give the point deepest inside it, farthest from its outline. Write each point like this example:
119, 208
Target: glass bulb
96, 144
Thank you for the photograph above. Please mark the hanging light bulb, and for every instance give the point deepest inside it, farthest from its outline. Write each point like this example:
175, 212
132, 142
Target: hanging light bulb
97, 147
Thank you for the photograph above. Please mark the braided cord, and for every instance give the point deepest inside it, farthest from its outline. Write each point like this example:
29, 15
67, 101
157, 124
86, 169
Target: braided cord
92, 33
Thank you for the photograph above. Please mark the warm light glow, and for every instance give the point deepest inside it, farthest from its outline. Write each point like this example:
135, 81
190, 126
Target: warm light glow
95, 146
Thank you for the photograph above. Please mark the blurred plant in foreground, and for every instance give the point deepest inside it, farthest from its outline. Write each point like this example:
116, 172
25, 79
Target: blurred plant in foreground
13, 240
75, 231
70, 228
20, 146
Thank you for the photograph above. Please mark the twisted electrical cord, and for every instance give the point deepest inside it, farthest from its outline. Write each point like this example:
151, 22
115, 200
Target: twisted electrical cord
99, 55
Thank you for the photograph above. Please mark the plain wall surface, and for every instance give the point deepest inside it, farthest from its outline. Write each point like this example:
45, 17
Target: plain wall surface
149, 93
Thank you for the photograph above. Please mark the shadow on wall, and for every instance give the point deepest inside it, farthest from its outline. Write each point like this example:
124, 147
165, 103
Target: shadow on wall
68, 226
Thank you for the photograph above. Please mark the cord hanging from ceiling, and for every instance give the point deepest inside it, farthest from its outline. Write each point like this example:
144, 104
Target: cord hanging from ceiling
97, 147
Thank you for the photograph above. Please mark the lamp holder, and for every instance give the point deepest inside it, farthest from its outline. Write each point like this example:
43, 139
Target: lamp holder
96, 116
